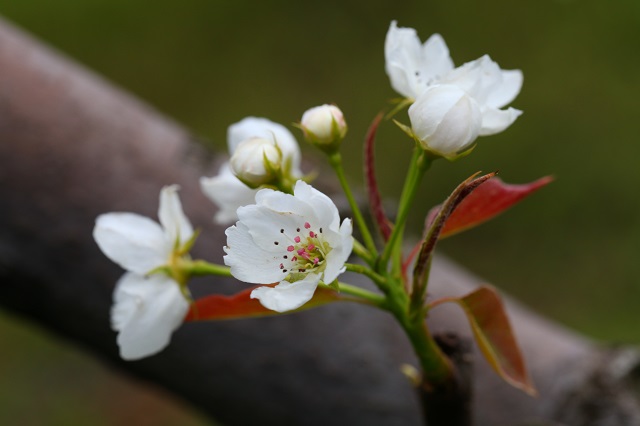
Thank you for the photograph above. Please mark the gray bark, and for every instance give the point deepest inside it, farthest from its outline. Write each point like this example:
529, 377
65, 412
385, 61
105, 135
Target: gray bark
72, 147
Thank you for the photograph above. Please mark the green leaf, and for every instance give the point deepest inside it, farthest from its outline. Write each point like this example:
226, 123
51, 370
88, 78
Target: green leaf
493, 334
240, 305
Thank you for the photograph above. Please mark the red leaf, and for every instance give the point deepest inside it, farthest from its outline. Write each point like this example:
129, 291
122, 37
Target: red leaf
493, 333
375, 201
240, 305
487, 201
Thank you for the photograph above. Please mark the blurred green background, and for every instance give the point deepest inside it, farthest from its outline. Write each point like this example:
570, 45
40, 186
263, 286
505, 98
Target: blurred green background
570, 251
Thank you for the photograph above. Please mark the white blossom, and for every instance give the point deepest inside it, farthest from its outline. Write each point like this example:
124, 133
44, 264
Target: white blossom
225, 190
448, 119
147, 309
293, 240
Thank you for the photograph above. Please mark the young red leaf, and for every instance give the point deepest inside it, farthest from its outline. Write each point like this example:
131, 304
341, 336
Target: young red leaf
241, 305
487, 201
375, 201
492, 331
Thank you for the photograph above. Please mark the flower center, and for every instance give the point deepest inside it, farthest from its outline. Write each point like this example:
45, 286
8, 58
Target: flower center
306, 251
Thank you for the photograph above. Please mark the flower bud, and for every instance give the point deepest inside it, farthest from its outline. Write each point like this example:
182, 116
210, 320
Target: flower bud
445, 120
324, 126
256, 161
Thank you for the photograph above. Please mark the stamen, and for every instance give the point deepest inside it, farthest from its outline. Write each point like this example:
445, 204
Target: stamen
291, 248
307, 225
296, 239
310, 247
315, 261
312, 234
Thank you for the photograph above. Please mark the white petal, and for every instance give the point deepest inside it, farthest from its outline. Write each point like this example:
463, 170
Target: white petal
146, 311
250, 263
228, 193
445, 119
251, 127
478, 78
436, 61
287, 296
402, 52
323, 207
176, 225
340, 253
496, 120
134, 242
507, 91
283, 203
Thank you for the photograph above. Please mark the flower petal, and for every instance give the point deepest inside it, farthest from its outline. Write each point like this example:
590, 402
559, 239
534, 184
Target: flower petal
176, 225
436, 61
251, 127
340, 253
478, 78
248, 261
323, 207
445, 119
507, 91
228, 193
287, 296
134, 242
496, 120
146, 311
402, 59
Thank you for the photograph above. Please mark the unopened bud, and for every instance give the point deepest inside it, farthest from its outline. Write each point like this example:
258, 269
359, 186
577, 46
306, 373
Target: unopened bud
256, 161
324, 126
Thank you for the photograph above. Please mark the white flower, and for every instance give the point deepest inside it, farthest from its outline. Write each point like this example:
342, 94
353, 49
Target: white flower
255, 161
145, 312
225, 189
447, 120
324, 125
293, 240
146, 309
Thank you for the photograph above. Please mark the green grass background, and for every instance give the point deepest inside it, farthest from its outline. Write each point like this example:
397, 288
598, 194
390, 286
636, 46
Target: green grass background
570, 252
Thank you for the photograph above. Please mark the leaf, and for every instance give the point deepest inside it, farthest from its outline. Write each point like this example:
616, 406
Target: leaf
492, 331
487, 201
241, 305
375, 203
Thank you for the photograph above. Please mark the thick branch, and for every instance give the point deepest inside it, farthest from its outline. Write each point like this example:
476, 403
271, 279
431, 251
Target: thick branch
72, 147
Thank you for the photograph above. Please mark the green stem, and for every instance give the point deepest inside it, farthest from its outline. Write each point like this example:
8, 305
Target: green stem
436, 367
362, 252
379, 280
335, 160
420, 163
364, 296
202, 267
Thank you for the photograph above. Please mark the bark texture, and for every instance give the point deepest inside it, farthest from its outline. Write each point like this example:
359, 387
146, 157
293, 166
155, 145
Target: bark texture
72, 147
